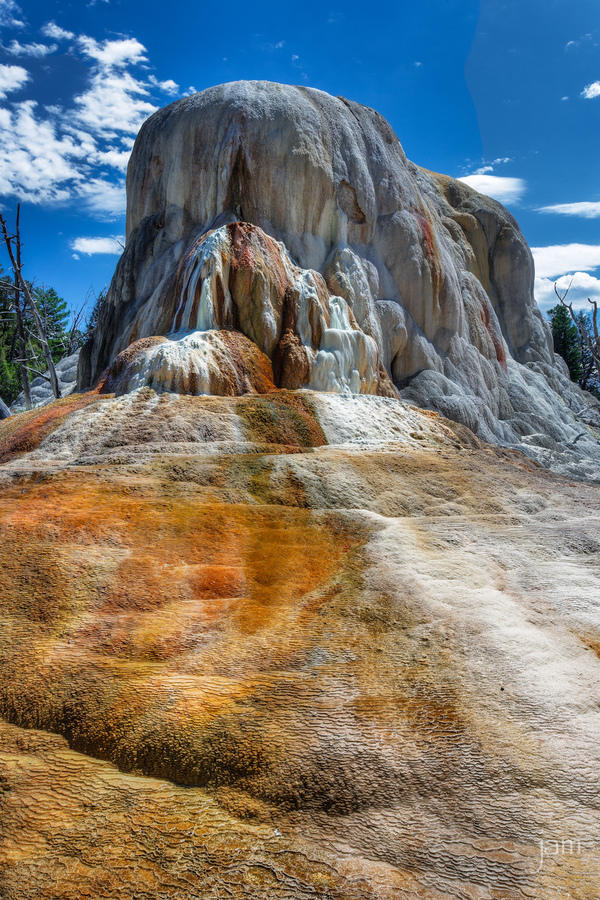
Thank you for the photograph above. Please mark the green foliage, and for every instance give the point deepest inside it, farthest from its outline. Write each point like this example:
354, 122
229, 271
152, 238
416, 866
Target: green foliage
9, 375
566, 340
9, 379
56, 317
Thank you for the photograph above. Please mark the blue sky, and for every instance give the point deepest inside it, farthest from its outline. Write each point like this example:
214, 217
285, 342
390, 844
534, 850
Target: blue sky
505, 93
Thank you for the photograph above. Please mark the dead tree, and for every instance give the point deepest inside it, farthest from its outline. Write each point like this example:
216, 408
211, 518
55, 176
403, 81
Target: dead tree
20, 340
590, 342
13, 246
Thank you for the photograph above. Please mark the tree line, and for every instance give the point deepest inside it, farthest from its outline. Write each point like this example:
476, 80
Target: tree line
37, 328
576, 336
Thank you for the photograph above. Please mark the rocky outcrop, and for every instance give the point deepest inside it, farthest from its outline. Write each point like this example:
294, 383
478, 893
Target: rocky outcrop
414, 278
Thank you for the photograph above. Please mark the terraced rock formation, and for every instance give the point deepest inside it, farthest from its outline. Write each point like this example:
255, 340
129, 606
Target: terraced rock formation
292, 645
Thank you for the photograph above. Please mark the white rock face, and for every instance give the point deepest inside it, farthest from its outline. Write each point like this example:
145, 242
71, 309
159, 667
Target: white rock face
438, 276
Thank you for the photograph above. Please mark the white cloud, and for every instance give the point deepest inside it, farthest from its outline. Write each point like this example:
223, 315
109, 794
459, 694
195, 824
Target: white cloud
169, 86
562, 258
12, 78
80, 150
580, 285
587, 209
36, 162
9, 13
591, 91
506, 190
105, 198
113, 53
116, 159
114, 102
54, 31
92, 246
15, 48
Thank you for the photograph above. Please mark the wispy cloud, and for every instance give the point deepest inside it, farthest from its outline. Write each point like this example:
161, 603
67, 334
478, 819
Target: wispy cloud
503, 189
15, 48
114, 102
169, 86
92, 246
56, 33
112, 54
12, 78
559, 259
10, 14
104, 197
58, 154
587, 209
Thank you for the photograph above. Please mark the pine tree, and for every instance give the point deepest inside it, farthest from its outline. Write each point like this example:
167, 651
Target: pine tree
9, 372
566, 340
9, 381
55, 316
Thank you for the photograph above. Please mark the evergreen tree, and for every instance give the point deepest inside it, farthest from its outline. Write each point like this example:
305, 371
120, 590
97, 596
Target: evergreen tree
9, 373
55, 316
566, 340
9, 380
62, 339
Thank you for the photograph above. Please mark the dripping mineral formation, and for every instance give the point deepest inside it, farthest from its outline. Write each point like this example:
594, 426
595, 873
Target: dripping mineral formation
268, 629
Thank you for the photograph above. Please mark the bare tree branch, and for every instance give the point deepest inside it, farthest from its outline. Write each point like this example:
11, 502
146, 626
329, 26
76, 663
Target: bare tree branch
592, 345
17, 265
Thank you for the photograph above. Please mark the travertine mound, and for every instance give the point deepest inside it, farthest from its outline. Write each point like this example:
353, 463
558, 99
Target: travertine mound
435, 280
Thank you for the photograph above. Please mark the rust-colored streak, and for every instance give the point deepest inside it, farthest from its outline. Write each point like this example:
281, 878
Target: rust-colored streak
429, 245
496, 337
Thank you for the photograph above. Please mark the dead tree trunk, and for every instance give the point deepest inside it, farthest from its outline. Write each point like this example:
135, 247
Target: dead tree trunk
22, 349
16, 262
592, 344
